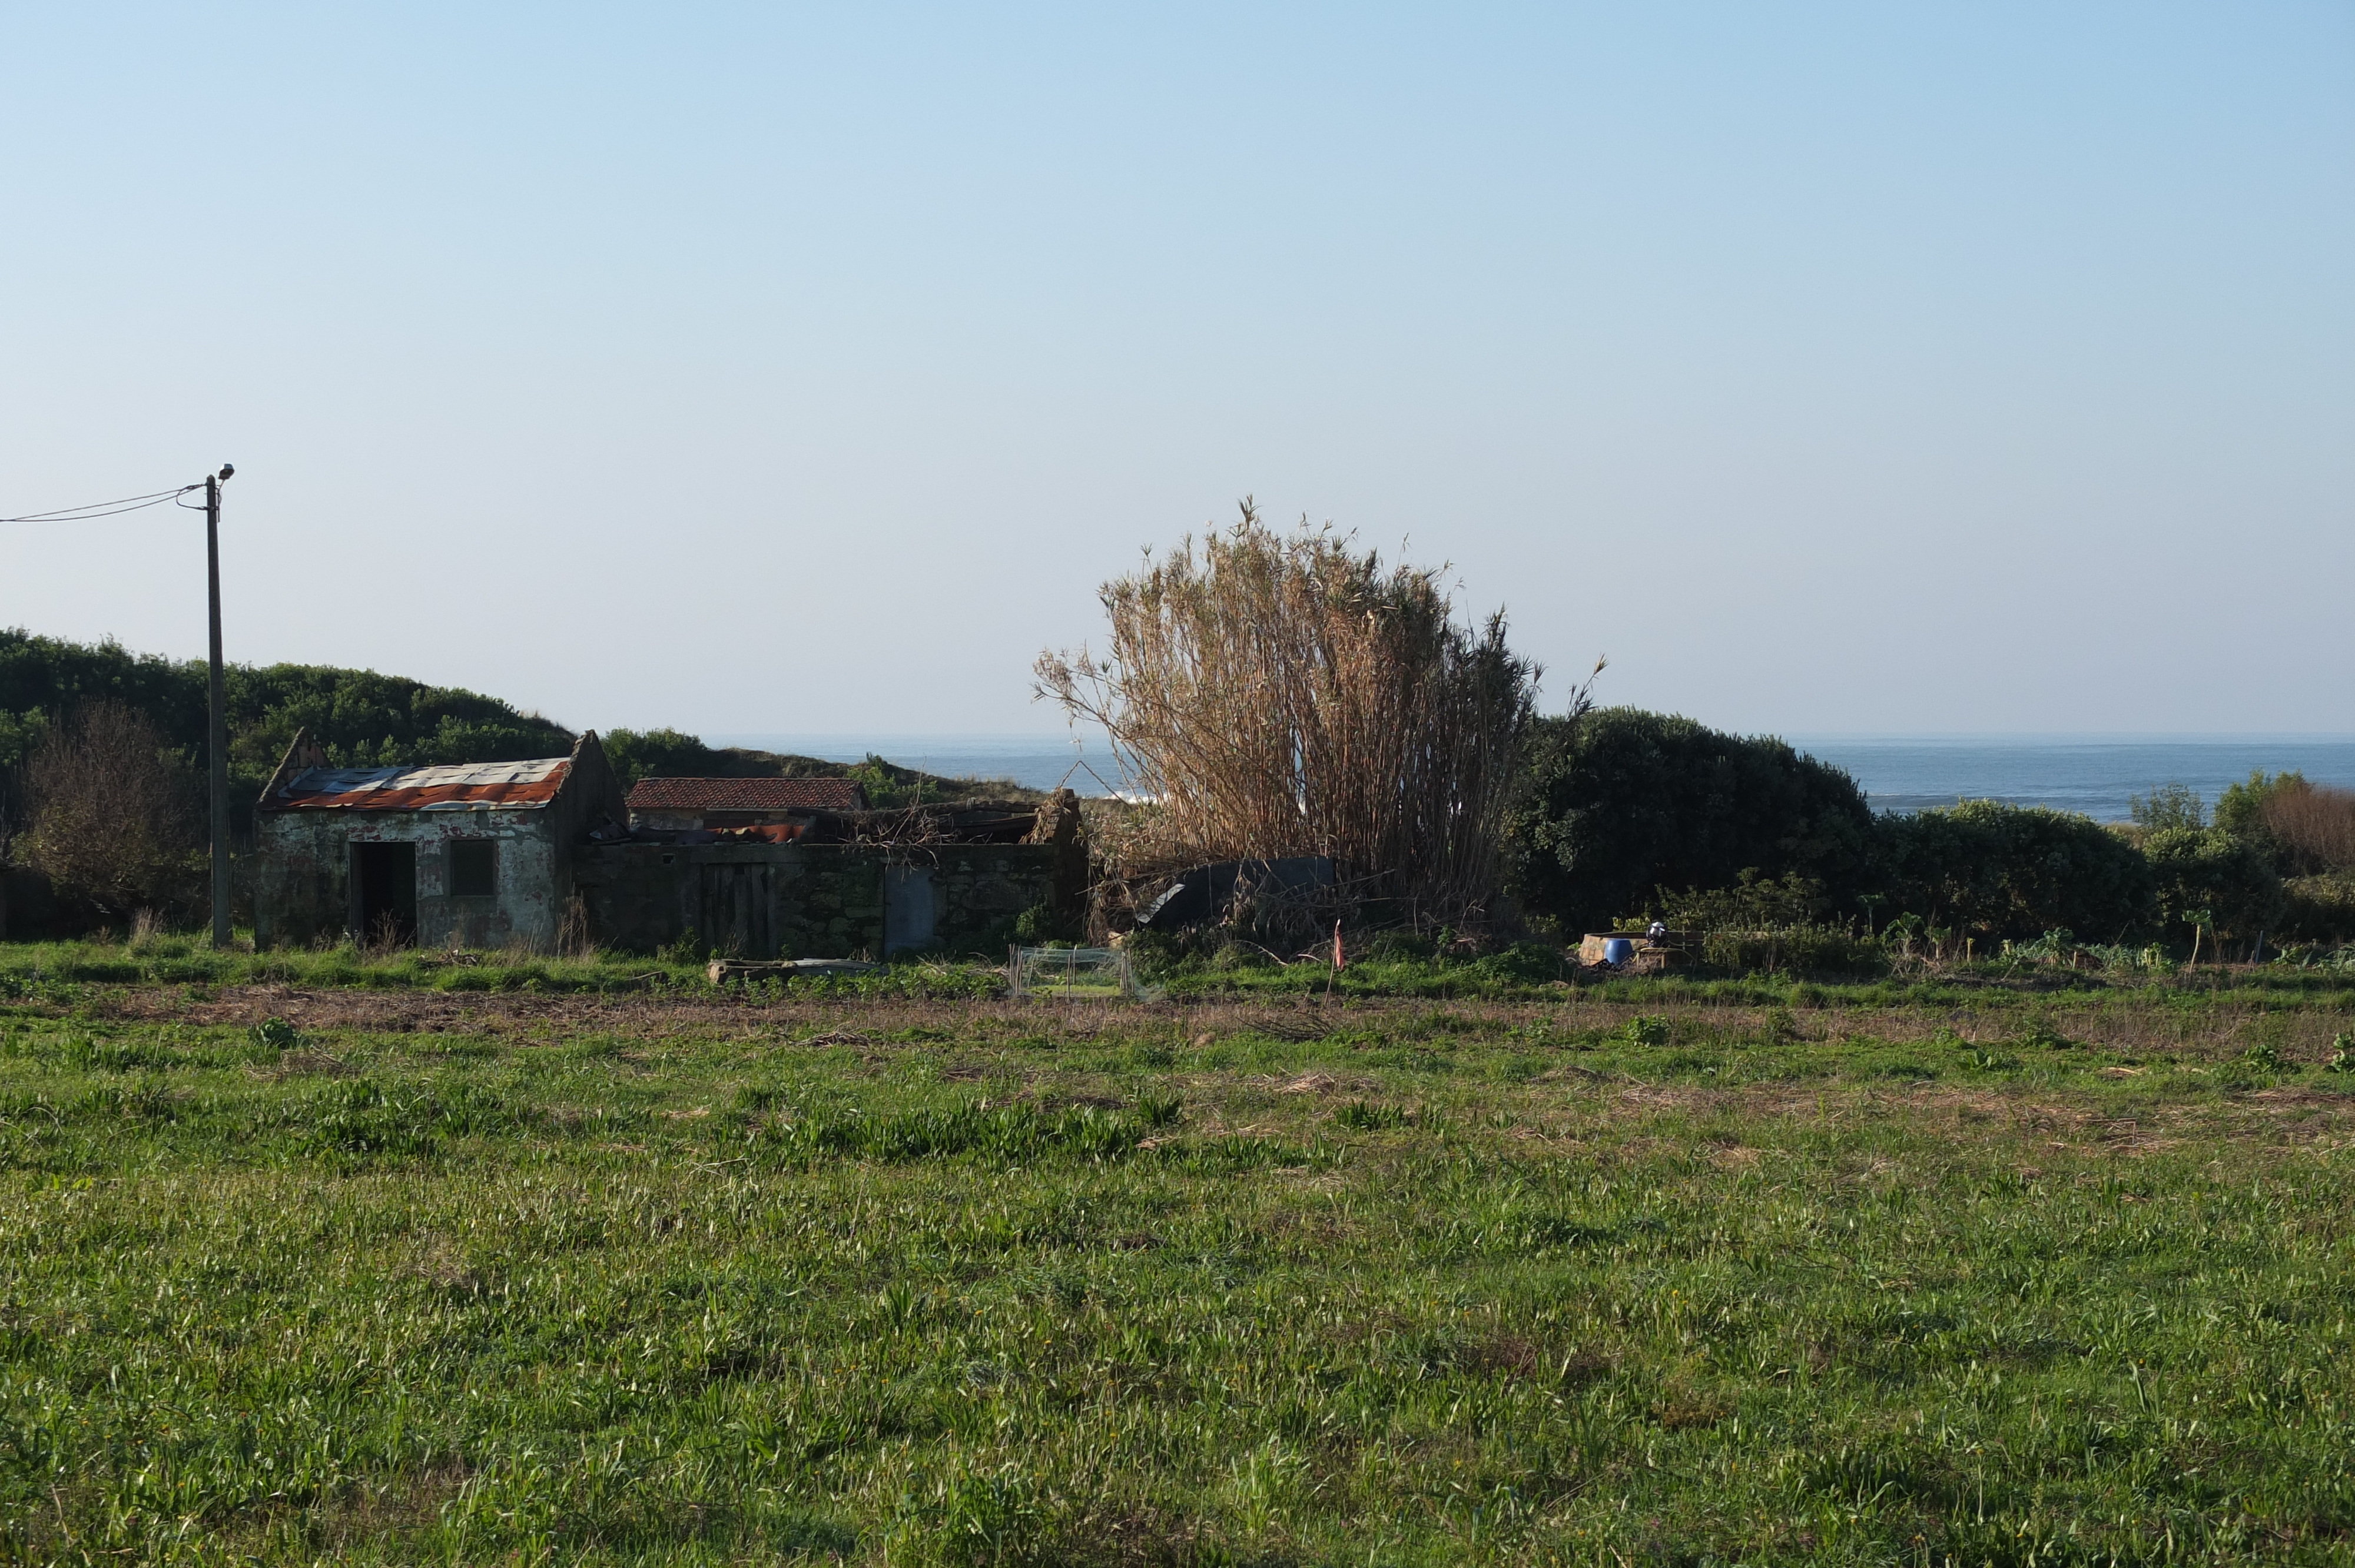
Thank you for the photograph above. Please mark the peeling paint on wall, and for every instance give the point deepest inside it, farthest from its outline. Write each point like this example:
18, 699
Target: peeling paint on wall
315, 824
303, 888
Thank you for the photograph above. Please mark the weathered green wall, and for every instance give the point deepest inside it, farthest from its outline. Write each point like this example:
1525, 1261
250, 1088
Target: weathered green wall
802, 901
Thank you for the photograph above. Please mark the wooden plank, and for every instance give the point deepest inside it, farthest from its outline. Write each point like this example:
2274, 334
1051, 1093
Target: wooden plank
724, 970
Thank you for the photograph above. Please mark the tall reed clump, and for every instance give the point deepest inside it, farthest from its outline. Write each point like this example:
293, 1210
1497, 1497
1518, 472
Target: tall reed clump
1283, 695
2315, 824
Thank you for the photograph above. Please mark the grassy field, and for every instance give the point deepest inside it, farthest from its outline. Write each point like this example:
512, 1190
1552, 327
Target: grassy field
325, 1263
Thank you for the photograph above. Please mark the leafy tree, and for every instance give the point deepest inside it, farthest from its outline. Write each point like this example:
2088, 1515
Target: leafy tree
2305, 830
638, 754
1997, 870
367, 720
49, 676
2168, 806
673, 754
360, 718
1621, 803
2242, 808
20, 737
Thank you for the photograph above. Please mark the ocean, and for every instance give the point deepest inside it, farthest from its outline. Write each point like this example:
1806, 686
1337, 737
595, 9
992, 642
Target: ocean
2097, 775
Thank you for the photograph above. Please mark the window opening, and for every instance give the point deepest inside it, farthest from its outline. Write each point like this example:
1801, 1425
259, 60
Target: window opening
473, 868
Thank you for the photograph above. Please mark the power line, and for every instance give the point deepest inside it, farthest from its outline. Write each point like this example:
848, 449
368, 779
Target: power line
98, 509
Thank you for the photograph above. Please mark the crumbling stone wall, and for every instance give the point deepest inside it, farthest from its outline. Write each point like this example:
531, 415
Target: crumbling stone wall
805, 901
1062, 828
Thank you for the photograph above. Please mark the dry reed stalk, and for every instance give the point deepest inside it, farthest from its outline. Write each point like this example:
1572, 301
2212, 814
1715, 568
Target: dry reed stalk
1284, 696
574, 940
2317, 824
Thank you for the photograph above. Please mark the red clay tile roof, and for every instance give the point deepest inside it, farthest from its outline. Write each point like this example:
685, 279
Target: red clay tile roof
746, 795
472, 787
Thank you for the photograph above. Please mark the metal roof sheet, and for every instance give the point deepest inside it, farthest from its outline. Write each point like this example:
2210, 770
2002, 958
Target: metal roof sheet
472, 787
746, 795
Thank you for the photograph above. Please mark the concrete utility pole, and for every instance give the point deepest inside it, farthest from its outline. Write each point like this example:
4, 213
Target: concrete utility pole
217, 732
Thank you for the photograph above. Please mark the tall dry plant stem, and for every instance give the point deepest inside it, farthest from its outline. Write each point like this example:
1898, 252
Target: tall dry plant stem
1285, 694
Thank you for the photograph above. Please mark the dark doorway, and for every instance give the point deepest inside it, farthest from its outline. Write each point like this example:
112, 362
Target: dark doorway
908, 914
740, 910
384, 893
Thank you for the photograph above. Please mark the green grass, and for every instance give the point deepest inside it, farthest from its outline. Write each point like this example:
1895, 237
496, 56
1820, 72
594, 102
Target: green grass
71, 971
616, 1274
67, 971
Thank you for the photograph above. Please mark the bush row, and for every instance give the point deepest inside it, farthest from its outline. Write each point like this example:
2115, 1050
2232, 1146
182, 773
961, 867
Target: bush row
1630, 812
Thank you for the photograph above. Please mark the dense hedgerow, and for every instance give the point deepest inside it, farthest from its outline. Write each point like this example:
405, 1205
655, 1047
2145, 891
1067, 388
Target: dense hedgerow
1632, 815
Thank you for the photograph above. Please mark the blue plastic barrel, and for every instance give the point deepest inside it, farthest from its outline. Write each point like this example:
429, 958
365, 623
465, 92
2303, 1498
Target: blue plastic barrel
1618, 950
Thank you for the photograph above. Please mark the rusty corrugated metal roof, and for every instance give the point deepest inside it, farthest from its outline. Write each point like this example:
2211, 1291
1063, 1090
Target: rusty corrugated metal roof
746, 795
472, 787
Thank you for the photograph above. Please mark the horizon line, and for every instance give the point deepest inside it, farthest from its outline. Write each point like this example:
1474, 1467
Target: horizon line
2098, 737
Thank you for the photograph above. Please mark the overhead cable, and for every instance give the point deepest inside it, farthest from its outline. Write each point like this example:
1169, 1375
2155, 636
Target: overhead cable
98, 509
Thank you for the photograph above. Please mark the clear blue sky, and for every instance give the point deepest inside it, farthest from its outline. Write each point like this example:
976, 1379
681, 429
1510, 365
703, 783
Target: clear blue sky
1857, 368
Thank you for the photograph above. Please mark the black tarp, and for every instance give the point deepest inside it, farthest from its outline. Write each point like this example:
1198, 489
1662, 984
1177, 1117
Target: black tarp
1207, 891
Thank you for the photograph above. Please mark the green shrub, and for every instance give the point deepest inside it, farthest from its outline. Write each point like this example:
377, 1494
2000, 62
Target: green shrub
1803, 948
1622, 802
2116, 958
2038, 1035
362, 718
1041, 923
636, 754
2318, 908
1155, 1111
1645, 1030
1997, 870
1521, 963
1753, 903
2219, 872
1396, 947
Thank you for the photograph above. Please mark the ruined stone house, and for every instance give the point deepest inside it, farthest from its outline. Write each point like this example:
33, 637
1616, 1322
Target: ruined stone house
952, 878
479, 855
495, 854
